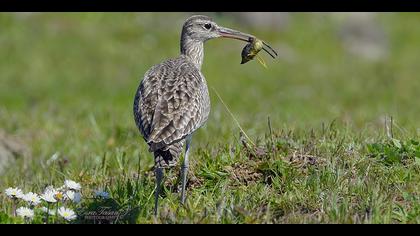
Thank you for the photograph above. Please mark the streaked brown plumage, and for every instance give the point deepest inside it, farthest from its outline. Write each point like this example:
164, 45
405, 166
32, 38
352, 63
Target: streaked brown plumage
172, 101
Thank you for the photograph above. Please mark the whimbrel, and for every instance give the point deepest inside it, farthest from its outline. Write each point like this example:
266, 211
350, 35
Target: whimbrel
172, 101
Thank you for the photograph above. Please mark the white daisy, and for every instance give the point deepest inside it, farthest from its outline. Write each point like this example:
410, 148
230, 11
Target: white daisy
14, 193
49, 195
72, 185
76, 197
67, 214
101, 194
59, 195
51, 212
25, 212
32, 198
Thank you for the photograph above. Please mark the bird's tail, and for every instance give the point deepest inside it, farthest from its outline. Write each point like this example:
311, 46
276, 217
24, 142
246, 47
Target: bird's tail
168, 156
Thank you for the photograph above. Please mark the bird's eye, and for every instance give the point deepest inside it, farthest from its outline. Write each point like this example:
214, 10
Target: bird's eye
207, 26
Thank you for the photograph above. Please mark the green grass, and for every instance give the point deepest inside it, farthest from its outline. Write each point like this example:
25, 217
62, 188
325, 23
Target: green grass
68, 82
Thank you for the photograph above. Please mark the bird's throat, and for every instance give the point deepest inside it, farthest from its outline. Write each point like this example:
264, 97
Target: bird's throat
193, 50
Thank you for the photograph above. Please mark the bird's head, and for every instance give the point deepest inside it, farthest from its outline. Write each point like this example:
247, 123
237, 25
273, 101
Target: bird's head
202, 28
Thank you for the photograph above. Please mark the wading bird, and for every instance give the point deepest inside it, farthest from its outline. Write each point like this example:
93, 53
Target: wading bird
172, 101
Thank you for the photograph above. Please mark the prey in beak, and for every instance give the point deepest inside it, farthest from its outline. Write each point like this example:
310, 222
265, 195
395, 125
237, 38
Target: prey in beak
254, 45
251, 51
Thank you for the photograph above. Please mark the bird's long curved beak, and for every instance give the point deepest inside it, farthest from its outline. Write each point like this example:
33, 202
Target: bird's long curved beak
234, 34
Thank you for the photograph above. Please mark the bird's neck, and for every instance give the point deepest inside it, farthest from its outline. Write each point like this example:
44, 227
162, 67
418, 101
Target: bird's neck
193, 50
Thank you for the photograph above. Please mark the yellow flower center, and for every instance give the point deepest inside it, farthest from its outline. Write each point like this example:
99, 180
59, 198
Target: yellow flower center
59, 196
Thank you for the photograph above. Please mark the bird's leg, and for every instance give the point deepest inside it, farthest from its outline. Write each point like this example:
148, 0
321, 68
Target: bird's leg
184, 169
159, 176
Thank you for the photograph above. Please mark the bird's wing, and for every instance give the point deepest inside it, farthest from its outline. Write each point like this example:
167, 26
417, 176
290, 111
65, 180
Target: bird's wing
145, 102
171, 103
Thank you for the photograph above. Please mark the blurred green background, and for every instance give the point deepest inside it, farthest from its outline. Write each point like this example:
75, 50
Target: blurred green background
67, 80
